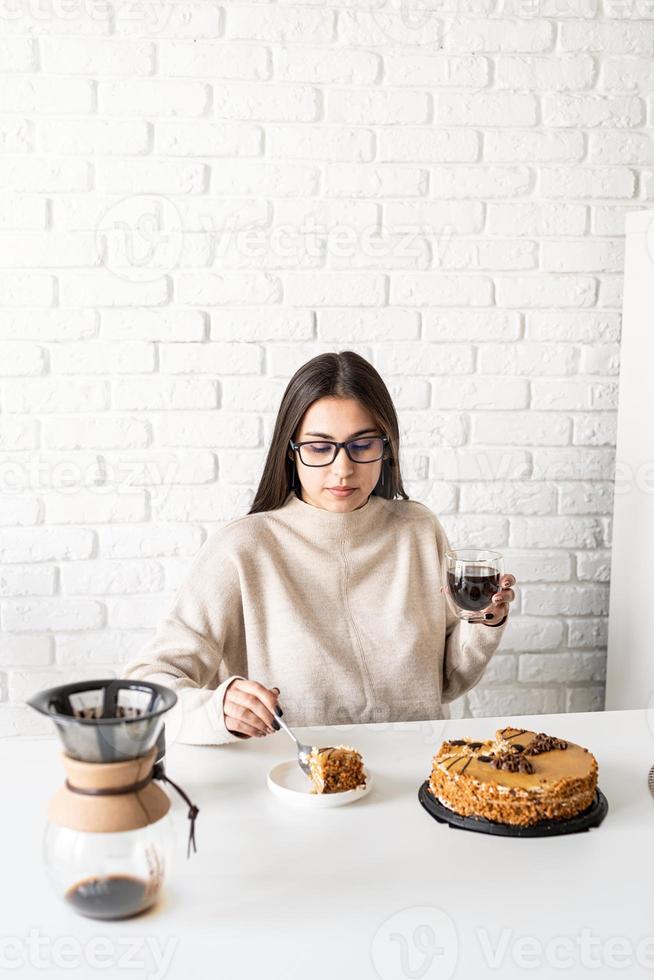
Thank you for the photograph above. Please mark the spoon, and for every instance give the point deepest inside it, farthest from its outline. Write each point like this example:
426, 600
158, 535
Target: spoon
303, 751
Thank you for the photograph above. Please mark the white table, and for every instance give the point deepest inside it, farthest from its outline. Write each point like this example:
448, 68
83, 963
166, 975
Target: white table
375, 889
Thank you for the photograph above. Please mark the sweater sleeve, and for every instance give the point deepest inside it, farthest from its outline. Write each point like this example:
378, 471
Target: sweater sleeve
468, 646
198, 648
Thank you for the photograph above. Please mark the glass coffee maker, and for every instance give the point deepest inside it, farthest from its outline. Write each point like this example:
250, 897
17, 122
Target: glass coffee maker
109, 838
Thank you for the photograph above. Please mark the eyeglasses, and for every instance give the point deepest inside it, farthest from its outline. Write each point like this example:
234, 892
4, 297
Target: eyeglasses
324, 452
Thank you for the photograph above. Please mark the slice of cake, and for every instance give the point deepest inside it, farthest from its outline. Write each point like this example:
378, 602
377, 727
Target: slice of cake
519, 777
336, 769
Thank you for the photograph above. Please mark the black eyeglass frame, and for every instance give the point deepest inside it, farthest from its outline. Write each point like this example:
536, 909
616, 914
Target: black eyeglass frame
295, 446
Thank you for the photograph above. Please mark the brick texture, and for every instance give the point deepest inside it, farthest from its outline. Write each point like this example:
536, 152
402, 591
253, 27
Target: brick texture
195, 198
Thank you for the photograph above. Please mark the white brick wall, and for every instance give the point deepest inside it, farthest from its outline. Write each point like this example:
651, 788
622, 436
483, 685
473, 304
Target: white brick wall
195, 198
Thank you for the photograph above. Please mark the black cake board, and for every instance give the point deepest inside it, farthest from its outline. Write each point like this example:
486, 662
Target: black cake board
591, 817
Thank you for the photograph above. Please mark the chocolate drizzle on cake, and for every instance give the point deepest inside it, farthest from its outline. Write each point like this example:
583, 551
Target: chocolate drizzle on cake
544, 743
507, 738
504, 754
512, 761
514, 757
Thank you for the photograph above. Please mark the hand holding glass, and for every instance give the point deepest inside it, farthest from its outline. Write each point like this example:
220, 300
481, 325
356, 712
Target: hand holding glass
471, 576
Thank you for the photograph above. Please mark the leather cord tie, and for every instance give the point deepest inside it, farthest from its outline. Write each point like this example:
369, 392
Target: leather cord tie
157, 772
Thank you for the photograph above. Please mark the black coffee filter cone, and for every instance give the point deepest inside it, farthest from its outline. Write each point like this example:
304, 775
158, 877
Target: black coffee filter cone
108, 720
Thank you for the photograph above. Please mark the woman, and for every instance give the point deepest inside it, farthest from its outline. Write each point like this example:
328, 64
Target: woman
327, 595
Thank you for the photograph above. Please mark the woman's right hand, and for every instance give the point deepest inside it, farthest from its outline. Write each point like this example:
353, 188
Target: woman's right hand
249, 708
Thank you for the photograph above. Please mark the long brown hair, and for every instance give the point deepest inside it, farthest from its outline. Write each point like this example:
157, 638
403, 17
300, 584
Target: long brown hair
339, 375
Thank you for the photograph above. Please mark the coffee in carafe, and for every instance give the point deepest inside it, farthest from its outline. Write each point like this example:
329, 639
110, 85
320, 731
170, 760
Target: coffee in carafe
111, 897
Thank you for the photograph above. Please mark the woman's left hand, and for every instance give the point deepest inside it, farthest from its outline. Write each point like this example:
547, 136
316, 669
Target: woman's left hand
499, 607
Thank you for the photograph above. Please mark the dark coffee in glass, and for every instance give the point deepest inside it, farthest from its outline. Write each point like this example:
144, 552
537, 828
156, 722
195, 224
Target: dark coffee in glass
473, 590
112, 897
471, 577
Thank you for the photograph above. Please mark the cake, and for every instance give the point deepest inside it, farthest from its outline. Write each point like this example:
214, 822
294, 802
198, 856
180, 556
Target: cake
336, 769
519, 777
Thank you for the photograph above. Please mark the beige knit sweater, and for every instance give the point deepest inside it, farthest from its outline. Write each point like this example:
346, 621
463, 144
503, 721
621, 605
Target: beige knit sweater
341, 611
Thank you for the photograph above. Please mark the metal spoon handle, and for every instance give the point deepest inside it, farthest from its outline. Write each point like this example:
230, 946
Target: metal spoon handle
283, 724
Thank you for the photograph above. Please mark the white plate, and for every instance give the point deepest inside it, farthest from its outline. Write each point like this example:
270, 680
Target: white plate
287, 781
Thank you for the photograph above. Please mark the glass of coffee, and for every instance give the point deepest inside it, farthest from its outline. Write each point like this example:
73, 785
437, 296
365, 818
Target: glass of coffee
471, 576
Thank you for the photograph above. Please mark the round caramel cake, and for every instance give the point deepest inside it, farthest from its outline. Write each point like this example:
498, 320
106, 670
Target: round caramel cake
519, 777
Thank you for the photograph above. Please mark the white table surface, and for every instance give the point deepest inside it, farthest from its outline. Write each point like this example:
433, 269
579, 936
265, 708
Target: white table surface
374, 889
